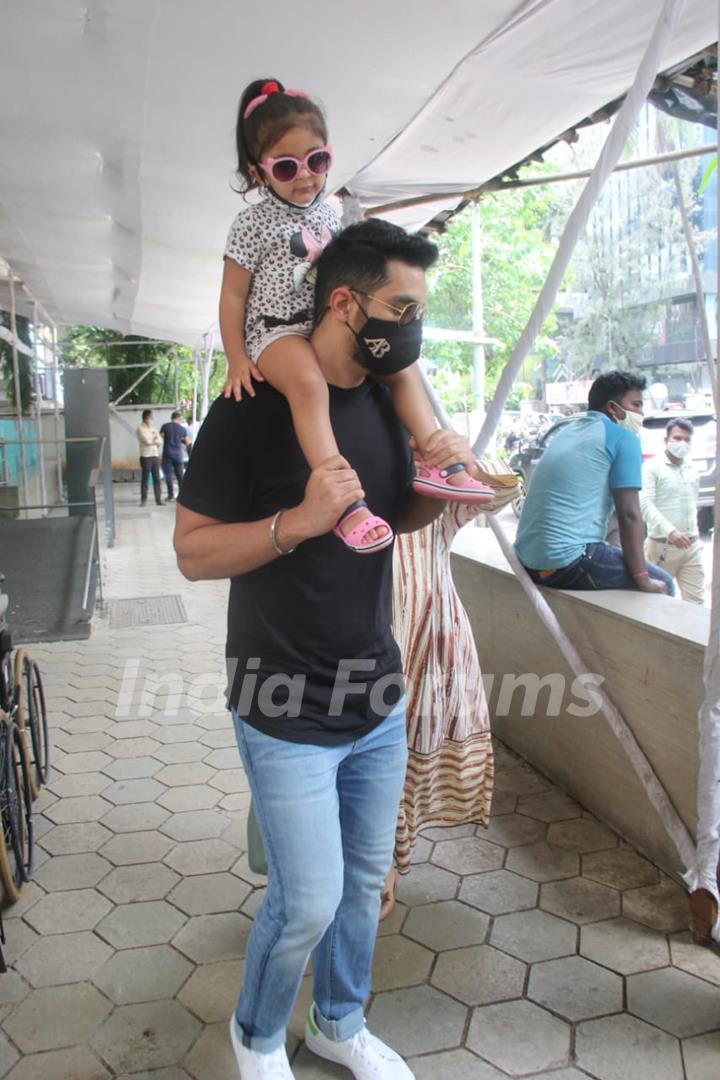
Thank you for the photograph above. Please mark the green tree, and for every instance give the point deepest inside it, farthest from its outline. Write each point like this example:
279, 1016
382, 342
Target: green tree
95, 346
518, 229
24, 363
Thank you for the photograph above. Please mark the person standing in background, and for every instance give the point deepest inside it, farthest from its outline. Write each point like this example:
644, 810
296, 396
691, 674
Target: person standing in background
175, 436
668, 502
149, 443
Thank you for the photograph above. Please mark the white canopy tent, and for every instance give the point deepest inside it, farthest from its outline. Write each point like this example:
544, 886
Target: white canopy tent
117, 136
117, 123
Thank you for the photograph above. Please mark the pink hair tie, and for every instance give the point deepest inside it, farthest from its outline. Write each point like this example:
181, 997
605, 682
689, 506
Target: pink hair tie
268, 89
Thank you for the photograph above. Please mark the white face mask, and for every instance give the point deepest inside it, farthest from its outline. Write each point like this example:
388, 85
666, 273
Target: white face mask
632, 421
678, 448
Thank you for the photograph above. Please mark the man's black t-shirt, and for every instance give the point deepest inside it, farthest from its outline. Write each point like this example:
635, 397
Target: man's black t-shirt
309, 634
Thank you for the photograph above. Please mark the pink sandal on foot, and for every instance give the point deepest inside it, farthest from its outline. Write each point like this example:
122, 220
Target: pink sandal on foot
434, 482
354, 537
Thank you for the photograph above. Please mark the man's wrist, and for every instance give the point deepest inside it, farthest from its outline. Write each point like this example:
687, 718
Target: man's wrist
289, 531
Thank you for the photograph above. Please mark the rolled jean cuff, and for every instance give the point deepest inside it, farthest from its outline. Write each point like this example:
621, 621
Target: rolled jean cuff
340, 1030
262, 1044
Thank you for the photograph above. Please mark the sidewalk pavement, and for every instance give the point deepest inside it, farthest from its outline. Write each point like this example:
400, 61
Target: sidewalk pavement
543, 946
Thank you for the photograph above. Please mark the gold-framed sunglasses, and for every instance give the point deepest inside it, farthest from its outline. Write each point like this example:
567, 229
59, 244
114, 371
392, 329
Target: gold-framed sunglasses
406, 314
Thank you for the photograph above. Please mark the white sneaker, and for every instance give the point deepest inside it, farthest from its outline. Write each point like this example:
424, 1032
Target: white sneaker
256, 1066
364, 1055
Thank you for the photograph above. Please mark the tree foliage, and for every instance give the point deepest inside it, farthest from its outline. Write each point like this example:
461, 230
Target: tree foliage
24, 363
94, 346
518, 229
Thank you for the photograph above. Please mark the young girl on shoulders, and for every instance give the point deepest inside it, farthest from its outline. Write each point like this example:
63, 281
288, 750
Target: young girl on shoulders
266, 302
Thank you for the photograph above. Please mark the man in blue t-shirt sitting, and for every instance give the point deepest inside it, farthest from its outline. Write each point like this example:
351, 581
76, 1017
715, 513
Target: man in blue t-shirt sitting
175, 436
592, 464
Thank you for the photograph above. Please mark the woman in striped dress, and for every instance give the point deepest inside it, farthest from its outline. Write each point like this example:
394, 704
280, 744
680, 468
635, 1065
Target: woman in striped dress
450, 767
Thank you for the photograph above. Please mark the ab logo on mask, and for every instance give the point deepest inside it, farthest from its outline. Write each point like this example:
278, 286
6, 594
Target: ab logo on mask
378, 346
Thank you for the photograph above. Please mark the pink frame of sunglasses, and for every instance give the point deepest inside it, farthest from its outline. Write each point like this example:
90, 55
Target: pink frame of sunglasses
269, 164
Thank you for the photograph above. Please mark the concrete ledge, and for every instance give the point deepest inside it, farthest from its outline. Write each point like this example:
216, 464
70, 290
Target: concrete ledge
650, 652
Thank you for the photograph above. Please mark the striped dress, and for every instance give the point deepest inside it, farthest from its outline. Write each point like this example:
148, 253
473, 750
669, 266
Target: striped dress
450, 768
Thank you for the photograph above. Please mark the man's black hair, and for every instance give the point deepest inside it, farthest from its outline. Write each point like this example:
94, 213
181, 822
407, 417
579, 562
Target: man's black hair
175, 415
613, 385
146, 413
358, 258
682, 423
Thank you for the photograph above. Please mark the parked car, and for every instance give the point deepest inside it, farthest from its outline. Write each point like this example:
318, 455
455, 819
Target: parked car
526, 457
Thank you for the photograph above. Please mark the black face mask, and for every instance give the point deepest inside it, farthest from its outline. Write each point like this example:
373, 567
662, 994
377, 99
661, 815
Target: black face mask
386, 347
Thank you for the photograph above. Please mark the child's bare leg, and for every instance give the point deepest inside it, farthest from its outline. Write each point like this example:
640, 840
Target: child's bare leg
290, 366
413, 407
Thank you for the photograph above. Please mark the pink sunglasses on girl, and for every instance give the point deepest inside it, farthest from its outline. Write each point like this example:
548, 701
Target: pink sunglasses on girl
283, 170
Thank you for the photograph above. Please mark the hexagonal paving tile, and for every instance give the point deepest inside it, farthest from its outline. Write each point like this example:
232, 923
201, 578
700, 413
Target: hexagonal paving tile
72, 872
679, 1003
63, 958
503, 802
75, 839
399, 963
663, 907
179, 753
425, 884
521, 779
196, 825
209, 938
510, 830
151, 922
542, 862
549, 806
620, 1046
83, 808
133, 768
75, 1064
122, 792
230, 780
79, 784
143, 882
452, 1065
212, 990
581, 835
575, 988
467, 855
208, 894
695, 959
141, 847
579, 900
499, 892
92, 761
479, 975
545, 1041
621, 868
133, 748
63, 912
147, 974
212, 1057
421, 850
448, 832
18, 941
533, 935
701, 1055
624, 946
417, 1021
149, 1036
186, 773
135, 817
448, 924
193, 797
48, 1020
201, 857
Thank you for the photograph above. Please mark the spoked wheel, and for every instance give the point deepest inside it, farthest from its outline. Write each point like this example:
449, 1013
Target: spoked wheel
16, 834
32, 716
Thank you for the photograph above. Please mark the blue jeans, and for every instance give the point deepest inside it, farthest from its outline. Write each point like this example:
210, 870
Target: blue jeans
602, 566
327, 816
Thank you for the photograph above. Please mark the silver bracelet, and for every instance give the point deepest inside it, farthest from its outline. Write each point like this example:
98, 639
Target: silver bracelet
273, 537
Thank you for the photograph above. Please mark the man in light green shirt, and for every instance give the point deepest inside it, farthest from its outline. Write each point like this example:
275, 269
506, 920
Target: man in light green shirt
668, 502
